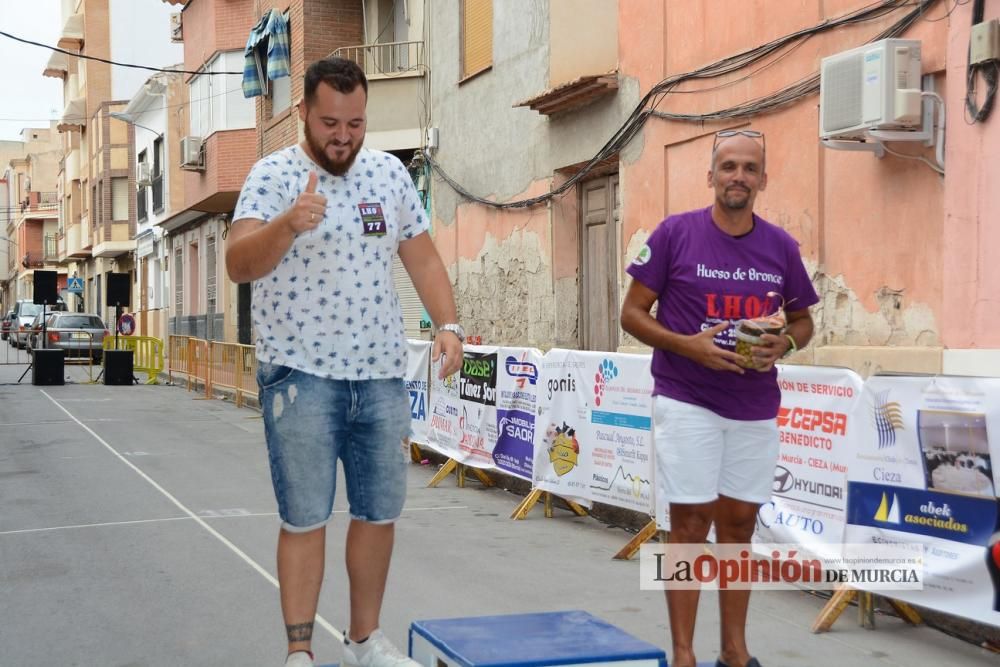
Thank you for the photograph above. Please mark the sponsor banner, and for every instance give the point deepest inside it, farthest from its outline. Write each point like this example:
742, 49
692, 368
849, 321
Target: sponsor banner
593, 436
924, 472
557, 465
770, 566
810, 478
518, 382
463, 417
417, 370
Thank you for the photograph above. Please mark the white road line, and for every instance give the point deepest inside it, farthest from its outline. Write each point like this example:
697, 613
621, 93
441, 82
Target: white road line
92, 525
188, 518
219, 536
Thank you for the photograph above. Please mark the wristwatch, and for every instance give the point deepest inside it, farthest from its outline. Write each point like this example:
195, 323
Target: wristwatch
455, 329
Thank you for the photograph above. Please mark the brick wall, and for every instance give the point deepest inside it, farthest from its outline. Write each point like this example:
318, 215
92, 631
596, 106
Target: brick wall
228, 158
317, 28
210, 26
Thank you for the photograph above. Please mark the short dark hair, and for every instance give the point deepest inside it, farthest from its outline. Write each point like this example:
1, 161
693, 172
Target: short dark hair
339, 73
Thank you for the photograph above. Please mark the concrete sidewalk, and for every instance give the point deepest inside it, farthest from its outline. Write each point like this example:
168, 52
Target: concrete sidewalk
138, 528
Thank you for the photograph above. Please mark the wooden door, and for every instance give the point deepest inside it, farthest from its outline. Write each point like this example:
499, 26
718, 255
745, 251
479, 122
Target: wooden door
600, 248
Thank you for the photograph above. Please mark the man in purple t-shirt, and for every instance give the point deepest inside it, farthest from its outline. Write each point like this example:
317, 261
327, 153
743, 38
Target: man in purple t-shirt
715, 432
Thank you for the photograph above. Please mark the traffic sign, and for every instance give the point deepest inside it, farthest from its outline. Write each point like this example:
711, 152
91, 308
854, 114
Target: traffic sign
74, 285
126, 325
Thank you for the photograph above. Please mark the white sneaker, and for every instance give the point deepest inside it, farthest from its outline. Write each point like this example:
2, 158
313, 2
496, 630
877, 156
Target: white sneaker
299, 659
376, 651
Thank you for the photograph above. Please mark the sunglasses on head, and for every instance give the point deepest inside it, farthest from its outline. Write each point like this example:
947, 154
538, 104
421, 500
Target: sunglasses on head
725, 134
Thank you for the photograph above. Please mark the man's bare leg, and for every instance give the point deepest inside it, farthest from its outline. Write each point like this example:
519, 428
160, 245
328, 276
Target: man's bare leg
734, 524
369, 550
301, 557
688, 524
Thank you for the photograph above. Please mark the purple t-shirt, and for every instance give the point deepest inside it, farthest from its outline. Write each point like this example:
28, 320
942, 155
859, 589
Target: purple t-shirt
704, 276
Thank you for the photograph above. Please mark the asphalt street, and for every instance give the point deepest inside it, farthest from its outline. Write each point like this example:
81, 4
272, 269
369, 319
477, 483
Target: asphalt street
138, 529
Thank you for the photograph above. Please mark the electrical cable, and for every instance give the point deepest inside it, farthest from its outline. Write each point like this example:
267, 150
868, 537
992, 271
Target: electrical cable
145, 111
991, 74
920, 158
652, 99
105, 60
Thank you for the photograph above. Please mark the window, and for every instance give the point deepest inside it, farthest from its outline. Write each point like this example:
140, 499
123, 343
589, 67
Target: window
477, 36
278, 90
179, 281
281, 95
119, 198
210, 270
157, 174
217, 101
141, 198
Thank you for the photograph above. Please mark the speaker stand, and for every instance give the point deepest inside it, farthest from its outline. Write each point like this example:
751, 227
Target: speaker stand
31, 364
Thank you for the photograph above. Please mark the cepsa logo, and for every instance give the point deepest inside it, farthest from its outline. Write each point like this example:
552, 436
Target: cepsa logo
807, 419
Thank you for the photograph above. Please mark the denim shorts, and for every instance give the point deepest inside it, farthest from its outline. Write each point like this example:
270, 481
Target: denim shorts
310, 422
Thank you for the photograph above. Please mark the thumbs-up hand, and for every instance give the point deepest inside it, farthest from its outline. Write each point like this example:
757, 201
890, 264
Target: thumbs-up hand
309, 208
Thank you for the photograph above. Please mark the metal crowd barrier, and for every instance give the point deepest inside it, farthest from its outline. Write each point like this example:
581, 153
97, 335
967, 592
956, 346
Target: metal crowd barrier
147, 353
214, 365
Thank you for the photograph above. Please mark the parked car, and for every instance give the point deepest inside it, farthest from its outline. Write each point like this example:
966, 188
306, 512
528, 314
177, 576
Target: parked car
80, 334
25, 311
6, 324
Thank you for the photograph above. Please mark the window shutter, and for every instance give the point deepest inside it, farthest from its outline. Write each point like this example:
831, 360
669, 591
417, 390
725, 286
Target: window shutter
119, 199
409, 301
477, 36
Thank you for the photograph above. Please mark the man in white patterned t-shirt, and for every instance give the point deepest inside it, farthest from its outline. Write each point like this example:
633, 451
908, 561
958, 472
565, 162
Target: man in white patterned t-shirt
316, 229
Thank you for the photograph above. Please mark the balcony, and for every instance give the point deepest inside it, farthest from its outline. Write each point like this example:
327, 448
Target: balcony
395, 72
50, 249
389, 59
40, 202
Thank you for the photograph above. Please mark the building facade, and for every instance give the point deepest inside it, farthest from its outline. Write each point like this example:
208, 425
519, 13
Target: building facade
29, 214
97, 178
897, 251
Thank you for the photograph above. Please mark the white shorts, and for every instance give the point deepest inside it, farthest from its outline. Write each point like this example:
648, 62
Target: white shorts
700, 455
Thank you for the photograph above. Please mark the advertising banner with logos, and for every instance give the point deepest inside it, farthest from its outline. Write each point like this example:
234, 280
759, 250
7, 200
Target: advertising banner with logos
518, 382
593, 433
463, 409
925, 471
810, 479
417, 369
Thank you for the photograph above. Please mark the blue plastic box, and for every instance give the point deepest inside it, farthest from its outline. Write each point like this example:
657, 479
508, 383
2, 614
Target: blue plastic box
567, 638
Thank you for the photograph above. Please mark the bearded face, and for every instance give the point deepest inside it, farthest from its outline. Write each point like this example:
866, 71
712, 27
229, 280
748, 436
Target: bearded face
335, 124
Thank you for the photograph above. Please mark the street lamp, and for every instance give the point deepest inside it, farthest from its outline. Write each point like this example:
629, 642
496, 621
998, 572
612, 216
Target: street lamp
130, 119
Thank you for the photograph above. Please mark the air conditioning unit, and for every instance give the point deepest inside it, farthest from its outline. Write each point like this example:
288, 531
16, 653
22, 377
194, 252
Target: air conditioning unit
143, 175
192, 154
873, 87
176, 27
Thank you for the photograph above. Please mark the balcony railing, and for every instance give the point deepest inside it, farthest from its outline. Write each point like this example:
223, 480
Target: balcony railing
40, 202
33, 260
386, 60
50, 248
141, 199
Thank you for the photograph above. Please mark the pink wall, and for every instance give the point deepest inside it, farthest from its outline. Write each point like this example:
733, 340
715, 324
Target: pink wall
971, 309
899, 239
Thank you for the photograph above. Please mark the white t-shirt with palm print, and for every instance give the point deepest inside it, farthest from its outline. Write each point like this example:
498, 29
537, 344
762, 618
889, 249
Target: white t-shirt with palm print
329, 308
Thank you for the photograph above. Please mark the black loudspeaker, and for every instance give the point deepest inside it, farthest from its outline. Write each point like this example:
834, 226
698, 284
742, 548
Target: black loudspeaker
118, 367
45, 287
47, 367
118, 290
